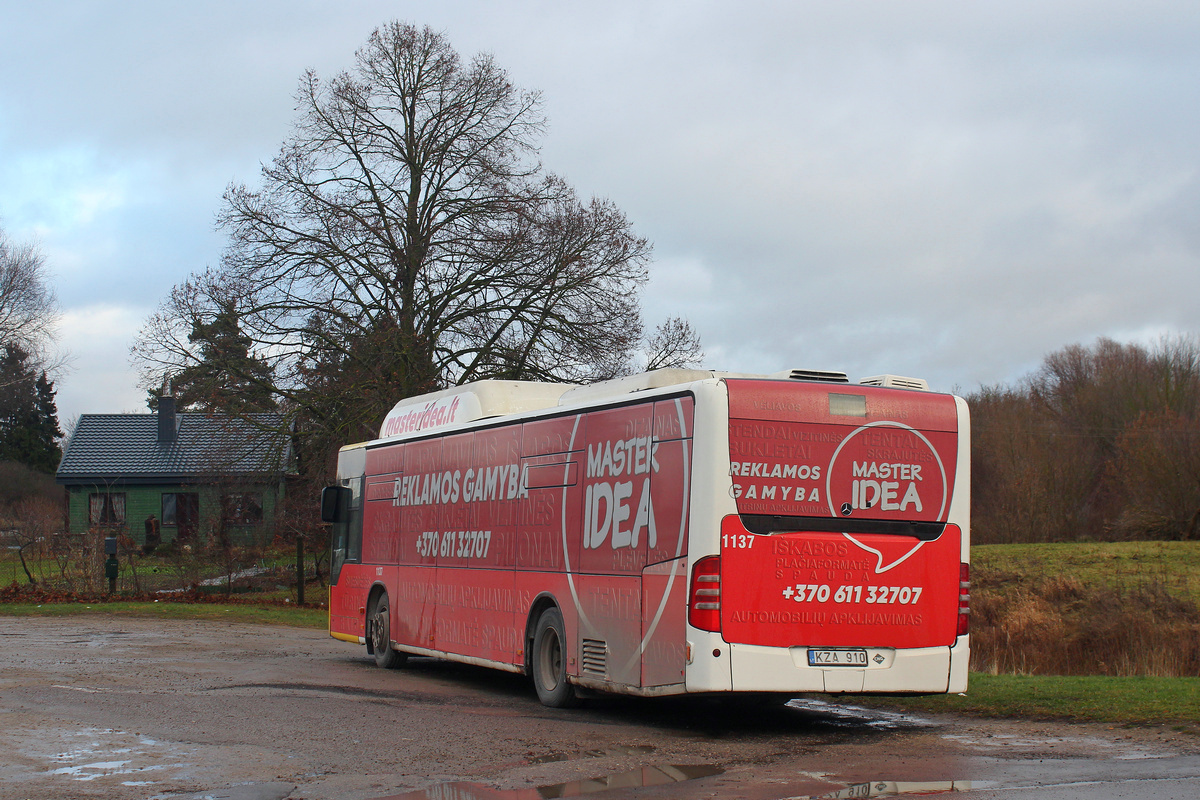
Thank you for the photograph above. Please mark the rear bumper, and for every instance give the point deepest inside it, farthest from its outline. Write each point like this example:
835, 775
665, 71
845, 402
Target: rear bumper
754, 668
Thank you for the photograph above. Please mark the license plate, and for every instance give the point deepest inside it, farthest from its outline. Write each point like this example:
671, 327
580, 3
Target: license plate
837, 658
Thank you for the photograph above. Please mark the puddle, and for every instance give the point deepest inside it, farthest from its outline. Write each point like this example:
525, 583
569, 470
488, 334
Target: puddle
857, 716
92, 753
891, 789
1113, 750
634, 779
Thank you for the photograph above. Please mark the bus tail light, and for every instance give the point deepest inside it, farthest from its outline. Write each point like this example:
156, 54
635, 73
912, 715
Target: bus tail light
964, 599
704, 601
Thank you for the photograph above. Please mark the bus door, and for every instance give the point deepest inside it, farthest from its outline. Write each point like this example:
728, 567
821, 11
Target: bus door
346, 540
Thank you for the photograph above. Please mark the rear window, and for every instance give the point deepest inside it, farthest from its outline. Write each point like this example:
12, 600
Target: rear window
809, 450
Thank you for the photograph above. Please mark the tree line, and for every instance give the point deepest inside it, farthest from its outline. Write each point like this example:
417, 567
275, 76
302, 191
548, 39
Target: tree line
1101, 442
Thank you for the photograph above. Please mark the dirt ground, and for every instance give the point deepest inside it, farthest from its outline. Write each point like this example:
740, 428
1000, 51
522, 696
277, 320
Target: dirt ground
102, 707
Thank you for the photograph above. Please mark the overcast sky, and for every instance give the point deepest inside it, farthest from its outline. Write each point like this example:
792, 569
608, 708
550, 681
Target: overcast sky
946, 190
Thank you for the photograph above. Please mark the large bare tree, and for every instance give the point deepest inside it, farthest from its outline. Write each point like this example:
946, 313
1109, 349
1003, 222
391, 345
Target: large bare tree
406, 237
28, 308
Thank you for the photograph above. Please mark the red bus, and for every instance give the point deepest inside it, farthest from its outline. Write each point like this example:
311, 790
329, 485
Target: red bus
676, 531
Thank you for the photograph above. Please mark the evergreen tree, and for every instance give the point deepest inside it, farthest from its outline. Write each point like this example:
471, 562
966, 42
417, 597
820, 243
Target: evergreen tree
227, 378
29, 431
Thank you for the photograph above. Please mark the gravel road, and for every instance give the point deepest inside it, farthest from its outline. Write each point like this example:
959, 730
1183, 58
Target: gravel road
103, 707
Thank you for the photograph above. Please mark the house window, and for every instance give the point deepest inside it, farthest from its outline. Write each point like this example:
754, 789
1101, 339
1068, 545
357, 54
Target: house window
106, 508
181, 510
242, 508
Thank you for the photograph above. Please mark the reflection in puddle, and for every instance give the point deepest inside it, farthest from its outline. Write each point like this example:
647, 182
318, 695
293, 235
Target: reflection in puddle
635, 779
94, 753
891, 789
858, 716
550, 758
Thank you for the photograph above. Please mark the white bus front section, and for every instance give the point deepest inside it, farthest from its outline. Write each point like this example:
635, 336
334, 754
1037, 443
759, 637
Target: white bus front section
715, 665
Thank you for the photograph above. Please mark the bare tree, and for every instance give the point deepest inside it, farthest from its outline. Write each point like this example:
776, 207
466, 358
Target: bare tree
675, 343
406, 238
31, 521
28, 308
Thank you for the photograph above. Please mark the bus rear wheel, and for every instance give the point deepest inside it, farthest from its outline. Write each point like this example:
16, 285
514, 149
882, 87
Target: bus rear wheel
379, 631
549, 663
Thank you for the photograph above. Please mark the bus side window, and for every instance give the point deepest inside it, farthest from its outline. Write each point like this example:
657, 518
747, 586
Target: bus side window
355, 525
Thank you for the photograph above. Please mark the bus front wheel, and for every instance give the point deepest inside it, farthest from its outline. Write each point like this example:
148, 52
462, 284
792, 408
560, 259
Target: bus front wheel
550, 662
379, 625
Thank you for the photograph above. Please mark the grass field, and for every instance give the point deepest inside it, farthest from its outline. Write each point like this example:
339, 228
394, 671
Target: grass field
1124, 609
1119, 566
1086, 698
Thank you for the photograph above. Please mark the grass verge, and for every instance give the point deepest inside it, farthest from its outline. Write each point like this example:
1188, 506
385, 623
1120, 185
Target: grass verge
240, 612
1085, 698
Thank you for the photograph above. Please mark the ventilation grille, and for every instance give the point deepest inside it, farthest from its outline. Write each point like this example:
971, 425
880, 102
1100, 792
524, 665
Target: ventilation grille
896, 382
595, 657
813, 375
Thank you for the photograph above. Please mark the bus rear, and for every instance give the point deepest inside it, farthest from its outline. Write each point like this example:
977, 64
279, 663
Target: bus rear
840, 562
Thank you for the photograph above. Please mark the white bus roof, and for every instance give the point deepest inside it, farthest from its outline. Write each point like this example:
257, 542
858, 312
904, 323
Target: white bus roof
492, 398
469, 402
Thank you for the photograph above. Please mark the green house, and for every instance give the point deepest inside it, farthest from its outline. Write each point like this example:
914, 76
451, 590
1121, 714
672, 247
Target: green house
180, 475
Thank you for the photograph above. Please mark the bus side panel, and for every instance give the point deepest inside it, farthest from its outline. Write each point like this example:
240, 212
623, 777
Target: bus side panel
547, 542
475, 582
381, 550
617, 520
634, 496
552, 472
671, 480
414, 607
561, 589
411, 594
664, 581
610, 615
664, 623
617, 528
475, 614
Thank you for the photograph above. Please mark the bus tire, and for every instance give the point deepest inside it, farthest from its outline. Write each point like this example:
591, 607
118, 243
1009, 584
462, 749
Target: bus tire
379, 630
549, 663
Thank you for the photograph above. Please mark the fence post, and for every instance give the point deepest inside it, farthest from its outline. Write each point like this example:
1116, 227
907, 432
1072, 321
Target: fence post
299, 570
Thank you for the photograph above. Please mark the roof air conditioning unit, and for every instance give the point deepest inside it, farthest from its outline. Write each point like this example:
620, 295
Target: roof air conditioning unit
812, 375
896, 382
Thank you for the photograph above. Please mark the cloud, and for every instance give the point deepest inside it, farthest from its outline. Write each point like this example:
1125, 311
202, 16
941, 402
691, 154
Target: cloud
96, 381
934, 188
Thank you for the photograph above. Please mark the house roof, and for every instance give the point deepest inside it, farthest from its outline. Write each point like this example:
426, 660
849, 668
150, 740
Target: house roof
125, 448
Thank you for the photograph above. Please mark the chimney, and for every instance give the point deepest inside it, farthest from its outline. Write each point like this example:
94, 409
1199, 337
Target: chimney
166, 420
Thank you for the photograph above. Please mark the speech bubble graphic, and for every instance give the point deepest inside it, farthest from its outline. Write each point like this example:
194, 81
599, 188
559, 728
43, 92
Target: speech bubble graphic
889, 471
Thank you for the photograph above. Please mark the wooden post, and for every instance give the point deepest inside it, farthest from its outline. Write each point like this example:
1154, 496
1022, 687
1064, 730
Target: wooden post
299, 570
